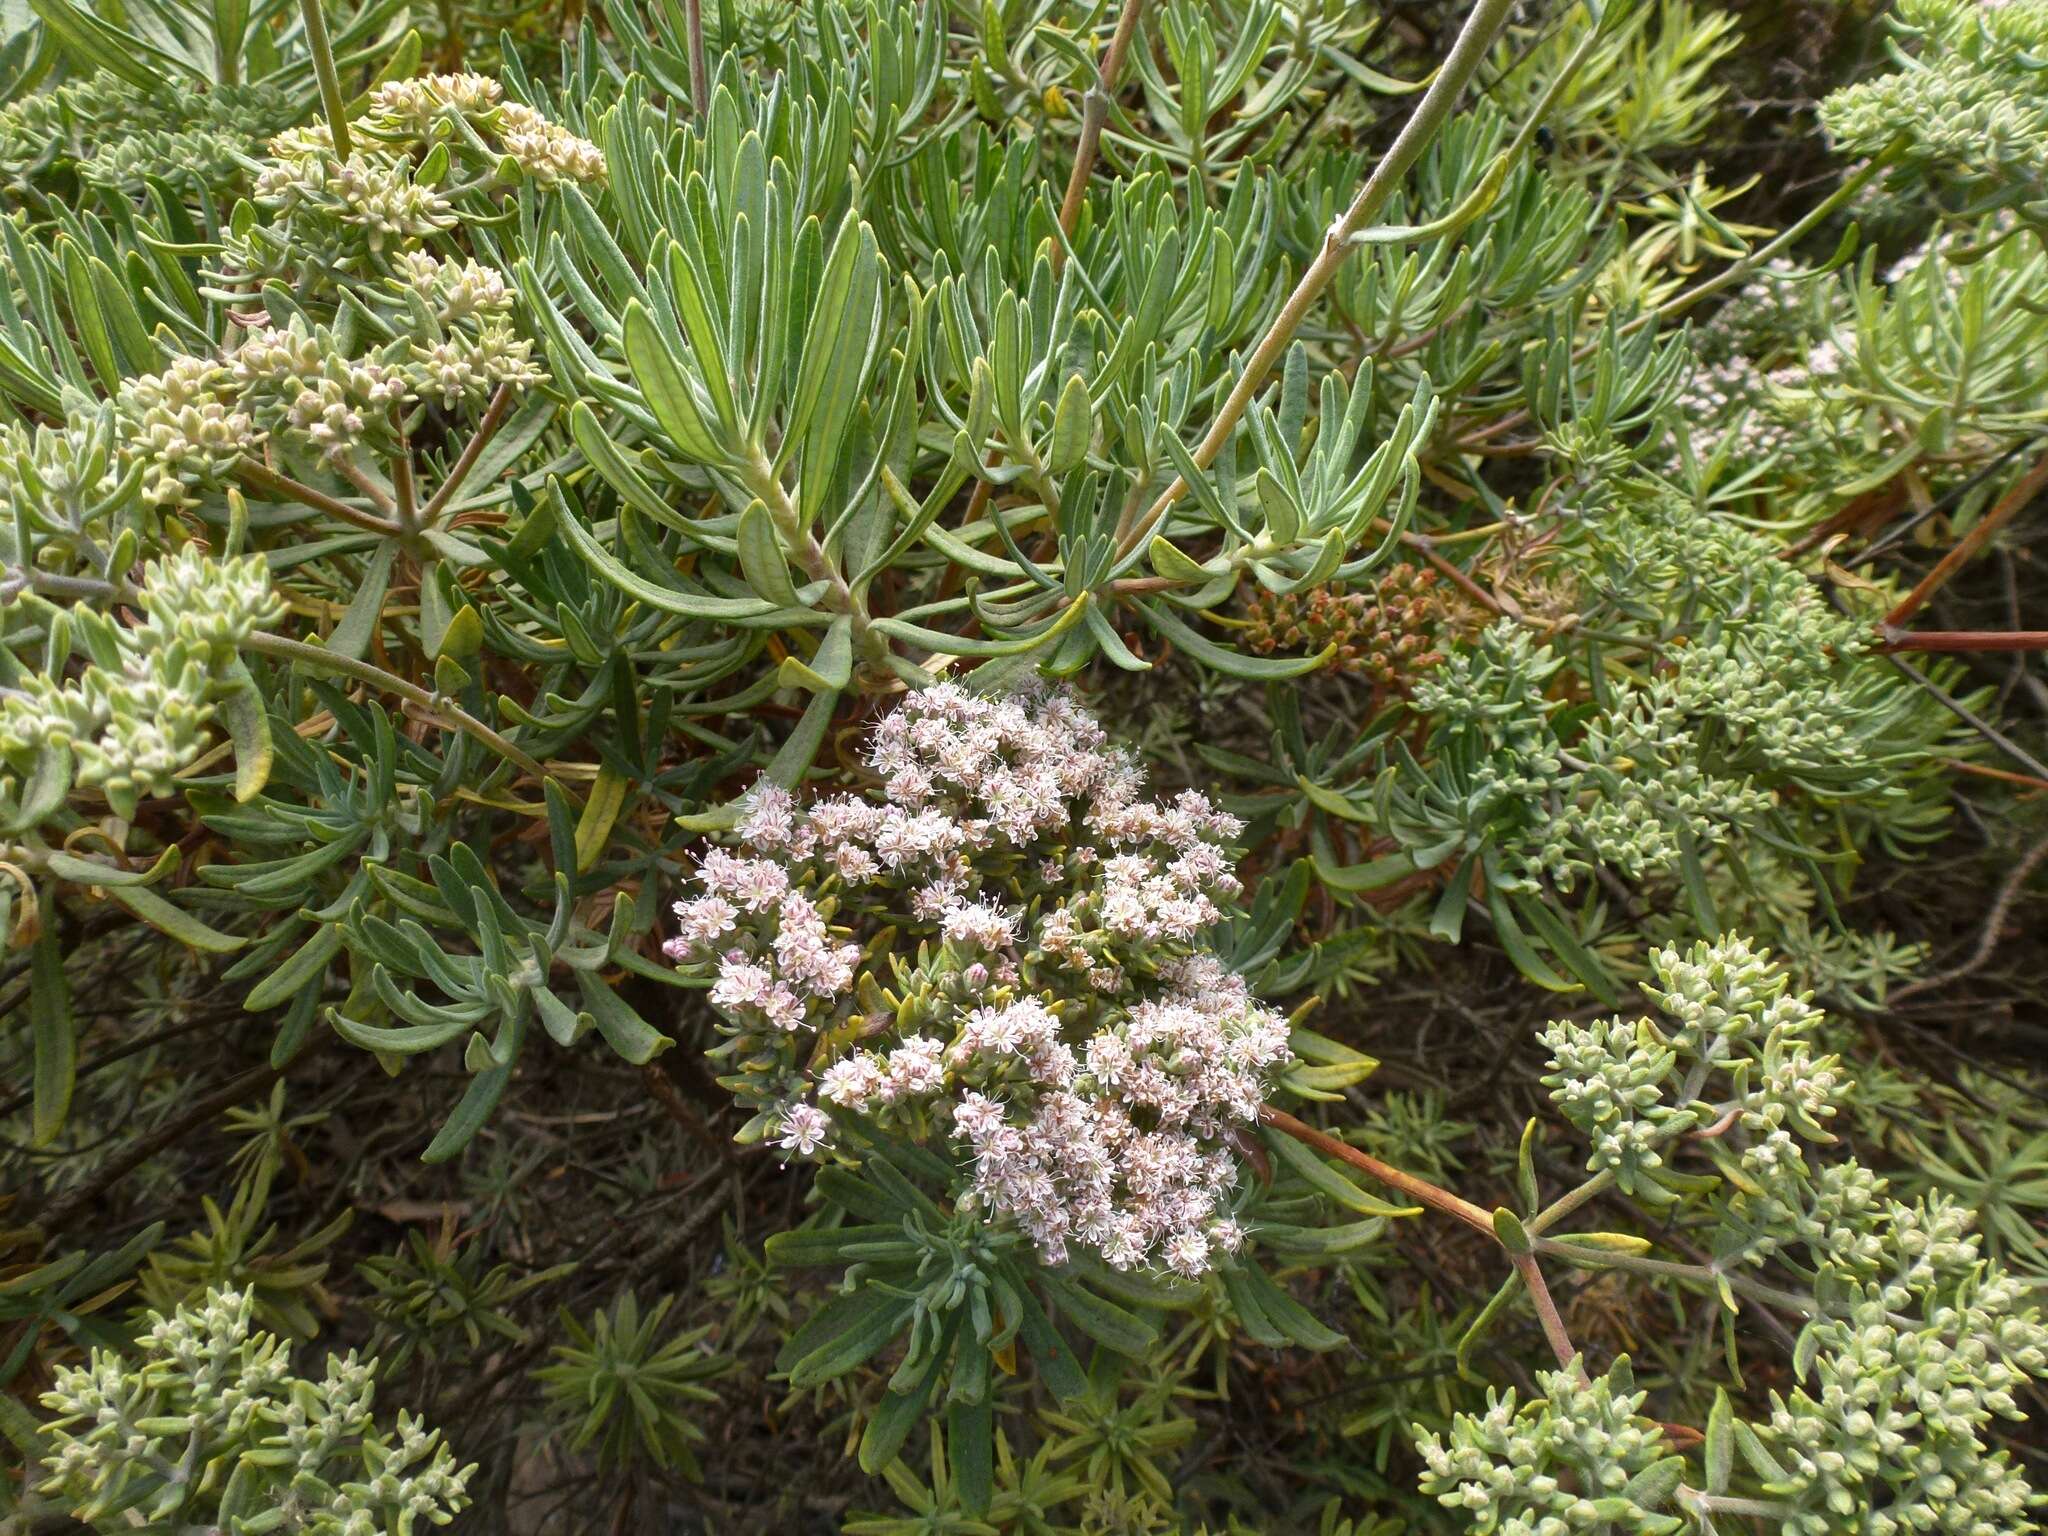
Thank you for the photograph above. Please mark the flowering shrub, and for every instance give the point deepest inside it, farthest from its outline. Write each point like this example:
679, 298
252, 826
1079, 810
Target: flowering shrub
695, 701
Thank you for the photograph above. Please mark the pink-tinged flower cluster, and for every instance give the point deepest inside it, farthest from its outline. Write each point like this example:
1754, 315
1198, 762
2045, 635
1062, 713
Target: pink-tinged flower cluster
999, 952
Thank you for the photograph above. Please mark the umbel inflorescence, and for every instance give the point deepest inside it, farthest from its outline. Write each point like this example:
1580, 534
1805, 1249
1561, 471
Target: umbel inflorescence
998, 950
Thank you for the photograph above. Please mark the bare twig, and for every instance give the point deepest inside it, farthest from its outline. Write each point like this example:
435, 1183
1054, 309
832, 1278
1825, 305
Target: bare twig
1989, 935
486, 429
2008, 506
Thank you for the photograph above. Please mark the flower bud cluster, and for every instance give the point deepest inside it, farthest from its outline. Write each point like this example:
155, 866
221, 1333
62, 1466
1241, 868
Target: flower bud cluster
418, 110
1917, 1342
132, 727
1771, 691
70, 487
118, 134
1564, 1464
1387, 635
208, 1392
1000, 951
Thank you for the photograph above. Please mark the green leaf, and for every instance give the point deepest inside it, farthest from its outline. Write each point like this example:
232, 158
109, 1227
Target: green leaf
1524, 954
477, 1103
179, 924
637, 1041
56, 1040
831, 668
880, 1321
1485, 1320
618, 471
248, 727
1525, 1166
1328, 1181
1073, 427
669, 600
1369, 876
1297, 1325
1056, 1363
892, 1423
1174, 565
1105, 1322
304, 969
358, 626
761, 557
667, 388
793, 761
1720, 1446
1221, 659
69, 866
970, 1447
1283, 517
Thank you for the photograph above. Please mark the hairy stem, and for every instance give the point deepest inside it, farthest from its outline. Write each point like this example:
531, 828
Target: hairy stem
700, 77
268, 482
486, 429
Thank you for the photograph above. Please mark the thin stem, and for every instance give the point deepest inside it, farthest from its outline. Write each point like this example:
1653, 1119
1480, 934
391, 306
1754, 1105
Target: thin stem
1474, 39
2002, 512
1554, 1330
378, 496
486, 429
1094, 113
816, 561
440, 710
1735, 271
269, 482
1407, 1183
700, 77
1952, 641
401, 475
323, 67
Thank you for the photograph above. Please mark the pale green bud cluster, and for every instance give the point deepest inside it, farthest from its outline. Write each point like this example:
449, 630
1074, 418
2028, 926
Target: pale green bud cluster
71, 487
201, 157
118, 134
1763, 689
209, 1428
401, 184
1970, 102
130, 722
1577, 1461
1913, 1344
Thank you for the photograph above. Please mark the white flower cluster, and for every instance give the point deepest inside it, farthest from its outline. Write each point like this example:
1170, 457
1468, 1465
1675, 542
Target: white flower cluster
1062, 1029
206, 1392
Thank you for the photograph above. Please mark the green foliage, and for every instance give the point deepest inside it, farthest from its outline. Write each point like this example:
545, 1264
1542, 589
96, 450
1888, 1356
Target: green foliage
696, 526
210, 1427
624, 1390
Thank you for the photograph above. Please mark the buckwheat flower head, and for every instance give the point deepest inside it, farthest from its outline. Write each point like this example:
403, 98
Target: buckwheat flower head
998, 951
